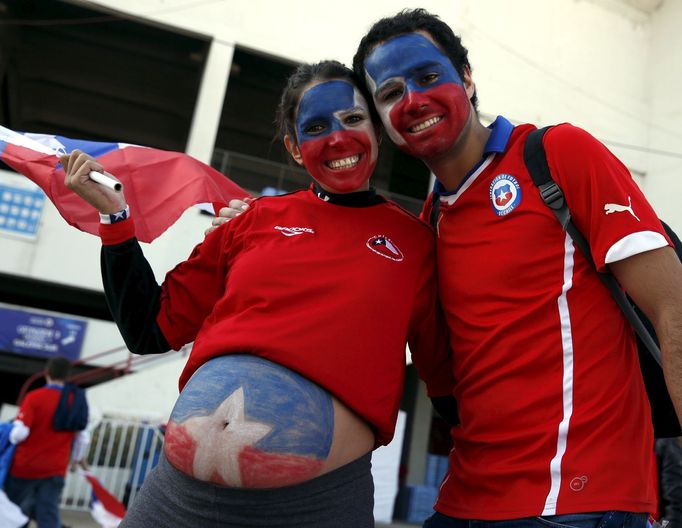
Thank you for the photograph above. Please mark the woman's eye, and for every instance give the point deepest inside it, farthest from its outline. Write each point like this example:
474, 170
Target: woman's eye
313, 130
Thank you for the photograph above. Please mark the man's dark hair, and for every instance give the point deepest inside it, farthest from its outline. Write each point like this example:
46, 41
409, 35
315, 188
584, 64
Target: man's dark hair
58, 368
305, 74
409, 21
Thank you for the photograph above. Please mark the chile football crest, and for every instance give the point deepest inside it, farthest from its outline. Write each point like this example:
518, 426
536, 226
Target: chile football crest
505, 194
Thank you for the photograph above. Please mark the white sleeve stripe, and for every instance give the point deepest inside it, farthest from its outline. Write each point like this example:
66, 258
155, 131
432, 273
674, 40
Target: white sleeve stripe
634, 244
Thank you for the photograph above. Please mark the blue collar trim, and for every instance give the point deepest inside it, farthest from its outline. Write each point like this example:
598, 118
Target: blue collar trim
497, 143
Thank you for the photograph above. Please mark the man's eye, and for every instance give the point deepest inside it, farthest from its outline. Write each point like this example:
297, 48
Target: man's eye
314, 130
429, 78
391, 94
353, 119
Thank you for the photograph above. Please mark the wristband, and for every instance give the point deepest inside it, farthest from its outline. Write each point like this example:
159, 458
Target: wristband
113, 218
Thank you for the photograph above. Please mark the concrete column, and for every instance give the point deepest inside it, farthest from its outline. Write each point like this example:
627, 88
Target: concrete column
209, 107
419, 440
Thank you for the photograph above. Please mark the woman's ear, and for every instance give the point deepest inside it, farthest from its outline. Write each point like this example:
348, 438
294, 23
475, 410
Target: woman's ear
292, 149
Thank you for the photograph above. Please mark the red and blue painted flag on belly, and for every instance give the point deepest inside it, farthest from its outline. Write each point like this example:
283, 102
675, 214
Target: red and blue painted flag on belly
159, 185
246, 422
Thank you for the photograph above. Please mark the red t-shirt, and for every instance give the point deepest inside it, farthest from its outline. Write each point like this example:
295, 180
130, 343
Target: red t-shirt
45, 452
555, 418
330, 291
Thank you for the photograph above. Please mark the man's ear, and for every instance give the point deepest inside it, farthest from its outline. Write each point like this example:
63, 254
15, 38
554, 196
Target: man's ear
469, 85
292, 149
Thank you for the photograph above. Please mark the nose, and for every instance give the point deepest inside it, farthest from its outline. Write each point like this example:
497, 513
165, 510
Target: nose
415, 101
337, 139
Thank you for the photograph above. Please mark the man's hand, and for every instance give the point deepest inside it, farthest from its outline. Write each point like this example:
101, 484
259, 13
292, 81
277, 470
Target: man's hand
77, 167
82, 463
233, 209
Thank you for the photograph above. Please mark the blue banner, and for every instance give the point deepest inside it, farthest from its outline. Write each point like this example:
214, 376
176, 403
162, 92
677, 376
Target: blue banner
36, 334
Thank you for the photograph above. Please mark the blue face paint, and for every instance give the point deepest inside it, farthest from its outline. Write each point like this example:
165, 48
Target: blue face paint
422, 101
409, 57
318, 109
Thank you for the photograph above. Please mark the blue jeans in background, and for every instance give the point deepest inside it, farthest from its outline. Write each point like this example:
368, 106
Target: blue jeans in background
37, 498
611, 519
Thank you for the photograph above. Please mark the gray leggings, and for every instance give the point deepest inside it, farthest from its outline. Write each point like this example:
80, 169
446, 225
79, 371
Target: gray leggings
343, 498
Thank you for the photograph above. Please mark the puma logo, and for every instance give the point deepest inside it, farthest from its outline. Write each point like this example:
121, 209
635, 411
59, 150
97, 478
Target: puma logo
617, 208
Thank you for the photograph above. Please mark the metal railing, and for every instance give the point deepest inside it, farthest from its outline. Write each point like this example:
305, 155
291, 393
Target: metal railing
121, 454
256, 174
100, 373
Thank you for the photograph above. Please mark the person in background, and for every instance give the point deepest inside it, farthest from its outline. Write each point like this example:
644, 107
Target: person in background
669, 460
41, 459
299, 310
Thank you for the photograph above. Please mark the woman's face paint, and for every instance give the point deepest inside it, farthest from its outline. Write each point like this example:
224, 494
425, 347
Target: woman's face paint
419, 95
336, 136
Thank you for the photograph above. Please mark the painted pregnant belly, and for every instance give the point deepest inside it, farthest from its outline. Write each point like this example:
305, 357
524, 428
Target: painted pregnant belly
246, 422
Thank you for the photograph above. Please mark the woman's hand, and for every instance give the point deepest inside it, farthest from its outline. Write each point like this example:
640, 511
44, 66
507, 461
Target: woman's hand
77, 167
233, 209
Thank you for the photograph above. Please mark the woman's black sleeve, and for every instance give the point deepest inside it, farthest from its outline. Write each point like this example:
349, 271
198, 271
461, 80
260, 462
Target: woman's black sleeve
133, 297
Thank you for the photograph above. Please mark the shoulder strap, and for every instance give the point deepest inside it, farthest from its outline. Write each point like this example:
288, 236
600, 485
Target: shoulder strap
536, 160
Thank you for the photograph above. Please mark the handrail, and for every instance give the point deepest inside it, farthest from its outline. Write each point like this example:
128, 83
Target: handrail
120, 367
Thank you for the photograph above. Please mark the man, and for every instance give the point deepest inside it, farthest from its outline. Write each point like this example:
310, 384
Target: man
554, 416
36, 477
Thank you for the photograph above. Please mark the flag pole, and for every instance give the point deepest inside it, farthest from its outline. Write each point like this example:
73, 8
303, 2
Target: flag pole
10, 136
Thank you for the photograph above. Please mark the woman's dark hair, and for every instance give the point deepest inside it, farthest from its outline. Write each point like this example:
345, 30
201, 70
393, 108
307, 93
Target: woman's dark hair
409, 21
305, 74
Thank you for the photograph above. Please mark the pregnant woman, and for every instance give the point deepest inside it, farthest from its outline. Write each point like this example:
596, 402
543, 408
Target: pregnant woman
299, 310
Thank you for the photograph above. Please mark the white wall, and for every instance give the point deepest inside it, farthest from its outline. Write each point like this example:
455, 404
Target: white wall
663, 79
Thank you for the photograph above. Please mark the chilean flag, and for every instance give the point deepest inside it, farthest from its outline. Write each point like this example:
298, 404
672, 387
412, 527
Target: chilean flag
159, 185
106, 509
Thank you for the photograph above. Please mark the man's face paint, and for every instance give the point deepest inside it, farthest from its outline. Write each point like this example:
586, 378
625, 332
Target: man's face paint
336, 136
421, 99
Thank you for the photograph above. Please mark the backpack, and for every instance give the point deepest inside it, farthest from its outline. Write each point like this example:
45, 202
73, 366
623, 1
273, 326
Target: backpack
71, 413
664, 418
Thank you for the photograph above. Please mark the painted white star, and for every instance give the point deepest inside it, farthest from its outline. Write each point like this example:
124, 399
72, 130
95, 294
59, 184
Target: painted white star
220, 438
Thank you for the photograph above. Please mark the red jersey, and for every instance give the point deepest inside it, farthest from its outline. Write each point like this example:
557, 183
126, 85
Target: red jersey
554, 415
45, 452
330, 291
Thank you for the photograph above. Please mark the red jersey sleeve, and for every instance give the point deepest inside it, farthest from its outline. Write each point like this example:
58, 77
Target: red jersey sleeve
606, 205
191, 289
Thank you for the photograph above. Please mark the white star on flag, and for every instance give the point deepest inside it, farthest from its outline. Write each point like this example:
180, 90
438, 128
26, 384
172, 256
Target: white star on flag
221, 436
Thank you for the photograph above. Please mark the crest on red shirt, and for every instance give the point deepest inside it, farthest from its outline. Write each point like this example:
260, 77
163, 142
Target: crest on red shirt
382, 245
505, 194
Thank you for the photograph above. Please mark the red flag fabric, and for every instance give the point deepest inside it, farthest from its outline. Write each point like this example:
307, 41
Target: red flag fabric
106, 509
159, 185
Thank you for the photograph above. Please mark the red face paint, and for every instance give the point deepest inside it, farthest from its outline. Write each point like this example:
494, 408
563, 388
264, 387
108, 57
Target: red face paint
431, 121
343, 161
336, 136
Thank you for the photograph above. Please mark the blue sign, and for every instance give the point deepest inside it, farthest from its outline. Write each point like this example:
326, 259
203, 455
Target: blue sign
20, 210
34, 334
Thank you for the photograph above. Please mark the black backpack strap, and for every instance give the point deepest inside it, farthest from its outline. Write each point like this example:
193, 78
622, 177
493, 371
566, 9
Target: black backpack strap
536, 160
